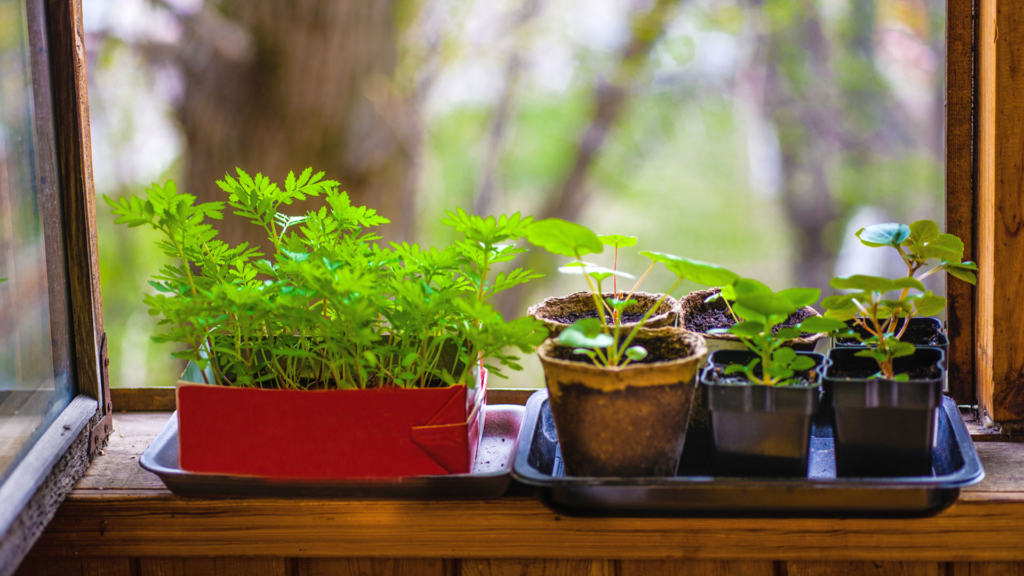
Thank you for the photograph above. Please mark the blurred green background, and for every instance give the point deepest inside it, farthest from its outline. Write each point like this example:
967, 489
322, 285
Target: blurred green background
756, 134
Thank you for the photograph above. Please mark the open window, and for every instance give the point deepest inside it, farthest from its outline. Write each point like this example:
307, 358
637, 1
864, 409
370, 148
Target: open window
54, 405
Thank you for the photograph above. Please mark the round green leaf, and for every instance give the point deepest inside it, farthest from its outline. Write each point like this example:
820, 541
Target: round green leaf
747, 329
585, 333
801, 297
694, 270
816, 324
761, 306
945, 247
745, 287
883, 235
802, 363
923, 231
908, 282
962, 271
636, 353
929, 304
617, 241
591, 269
565, 238
863, 283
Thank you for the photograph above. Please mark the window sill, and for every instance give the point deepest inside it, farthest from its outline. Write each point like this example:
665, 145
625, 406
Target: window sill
120, 510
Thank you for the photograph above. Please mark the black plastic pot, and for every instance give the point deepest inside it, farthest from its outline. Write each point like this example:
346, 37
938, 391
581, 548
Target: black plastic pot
759, 430
921, 332
884, 427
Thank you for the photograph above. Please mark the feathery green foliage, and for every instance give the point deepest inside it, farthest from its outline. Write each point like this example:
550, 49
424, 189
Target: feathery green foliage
331, 308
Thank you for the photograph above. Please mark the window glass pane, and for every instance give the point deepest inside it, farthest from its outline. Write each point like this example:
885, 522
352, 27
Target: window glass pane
35, 381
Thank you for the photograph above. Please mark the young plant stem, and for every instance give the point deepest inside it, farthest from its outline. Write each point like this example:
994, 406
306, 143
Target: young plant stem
639, 325
637, 285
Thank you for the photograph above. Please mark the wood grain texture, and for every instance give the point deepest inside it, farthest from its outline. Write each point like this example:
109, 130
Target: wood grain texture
228, 566
960, 190
37, 565
987, 569
118, 467
691, 568
538, 567
865, 569
374, 567
1000, 217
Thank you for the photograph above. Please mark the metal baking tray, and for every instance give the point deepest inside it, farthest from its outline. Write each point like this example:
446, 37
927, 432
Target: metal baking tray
697, 493
491, 475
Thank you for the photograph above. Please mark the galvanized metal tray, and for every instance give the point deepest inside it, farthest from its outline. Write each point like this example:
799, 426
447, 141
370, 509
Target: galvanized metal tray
697, 493
491, 476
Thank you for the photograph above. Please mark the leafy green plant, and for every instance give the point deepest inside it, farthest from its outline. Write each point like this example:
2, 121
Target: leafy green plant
877, 315
331, 308
607, 345
760, 310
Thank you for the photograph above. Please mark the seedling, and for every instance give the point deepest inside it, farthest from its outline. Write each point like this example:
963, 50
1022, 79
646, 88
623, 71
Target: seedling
330, 308
605, 344
868, 307
760, 310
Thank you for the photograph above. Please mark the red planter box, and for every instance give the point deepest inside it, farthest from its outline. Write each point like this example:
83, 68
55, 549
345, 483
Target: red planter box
335, 434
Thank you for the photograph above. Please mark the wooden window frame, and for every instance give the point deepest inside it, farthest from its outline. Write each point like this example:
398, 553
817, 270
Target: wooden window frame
985, 203
40, 481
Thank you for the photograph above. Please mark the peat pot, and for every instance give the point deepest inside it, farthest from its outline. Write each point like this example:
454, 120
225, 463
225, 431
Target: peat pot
620, 422
759, 430
328, 434
884, 427
700, 316
559, 312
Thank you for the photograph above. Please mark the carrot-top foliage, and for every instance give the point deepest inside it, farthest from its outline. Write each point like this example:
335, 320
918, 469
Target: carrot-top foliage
331, 307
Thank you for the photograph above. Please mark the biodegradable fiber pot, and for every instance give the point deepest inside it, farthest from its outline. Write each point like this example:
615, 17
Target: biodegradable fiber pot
759, 430
622, 422
559, 312
884, 427
700, 316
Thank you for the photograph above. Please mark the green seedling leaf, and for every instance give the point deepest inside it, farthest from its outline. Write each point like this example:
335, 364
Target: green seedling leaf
900, 349
713, 297
816, 324
922, 231
863, 283
586, 333
801, 363
964, 271
617, 241
801, 297
694, 270
787, 333
636, 353
762, 306
592, 269
883, 235
928, 304
620, 305
784, 356
733, 368
908, 282
583, 351
745, 287
565, 238
945, 247
747, 329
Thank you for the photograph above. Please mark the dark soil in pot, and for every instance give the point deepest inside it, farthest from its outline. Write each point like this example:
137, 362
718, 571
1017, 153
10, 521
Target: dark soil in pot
700, 316
884, 427
759, 430
558, 313
624, 422
920, 332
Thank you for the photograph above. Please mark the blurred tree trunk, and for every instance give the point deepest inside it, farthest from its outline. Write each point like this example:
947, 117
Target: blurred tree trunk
275, 86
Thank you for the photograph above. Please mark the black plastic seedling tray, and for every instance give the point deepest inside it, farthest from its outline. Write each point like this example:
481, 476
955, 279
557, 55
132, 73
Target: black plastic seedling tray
491, 476
698, 493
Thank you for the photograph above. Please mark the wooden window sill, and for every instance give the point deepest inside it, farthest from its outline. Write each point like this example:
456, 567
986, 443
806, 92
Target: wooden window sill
119, 509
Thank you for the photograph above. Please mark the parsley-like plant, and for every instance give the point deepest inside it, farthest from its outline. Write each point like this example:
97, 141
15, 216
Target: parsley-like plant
331, 307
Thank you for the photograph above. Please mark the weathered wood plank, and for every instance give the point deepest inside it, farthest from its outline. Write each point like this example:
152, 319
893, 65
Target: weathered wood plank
875, 568
978, 528
227, 566
696, 568
374, 567
1000, 217
960, 190
118, 467
987, 569
36, 565
539, 567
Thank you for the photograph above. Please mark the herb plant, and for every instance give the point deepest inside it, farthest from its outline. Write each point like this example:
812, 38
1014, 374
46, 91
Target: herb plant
868, 307
330, 308
760, 310
606, 345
